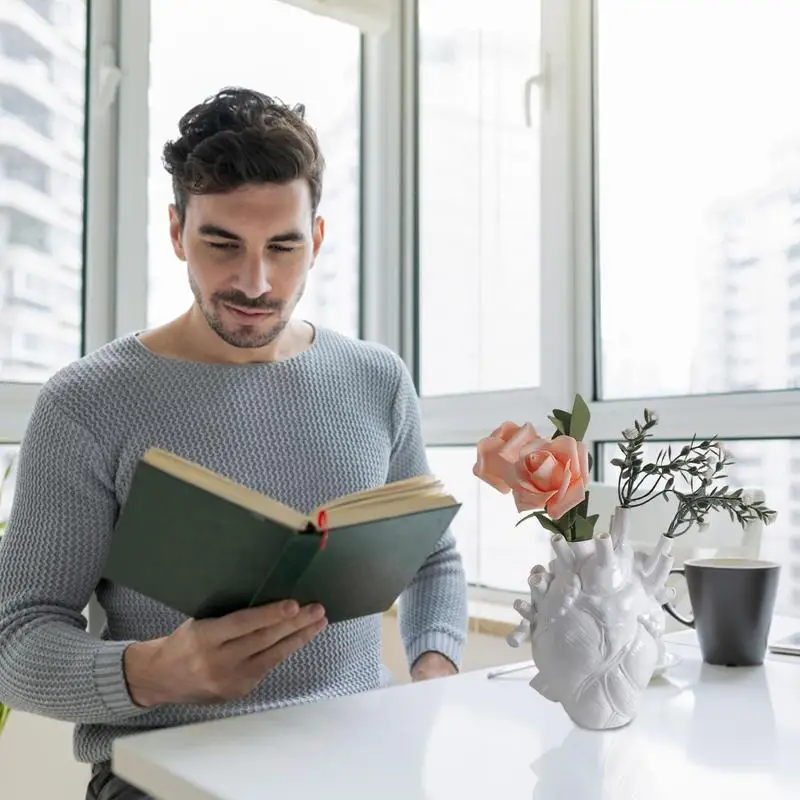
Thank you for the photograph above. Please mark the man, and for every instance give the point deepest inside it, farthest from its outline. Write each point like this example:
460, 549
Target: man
241, 386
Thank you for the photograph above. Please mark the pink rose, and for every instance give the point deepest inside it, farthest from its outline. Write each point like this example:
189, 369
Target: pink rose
551, 474
499, 452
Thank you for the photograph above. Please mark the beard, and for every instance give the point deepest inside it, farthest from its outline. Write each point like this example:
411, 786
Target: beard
242, 335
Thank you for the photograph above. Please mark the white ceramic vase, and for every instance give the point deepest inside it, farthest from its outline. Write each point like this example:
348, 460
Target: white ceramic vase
595, 623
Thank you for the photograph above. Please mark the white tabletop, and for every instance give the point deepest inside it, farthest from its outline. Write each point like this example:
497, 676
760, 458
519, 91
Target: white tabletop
703, 732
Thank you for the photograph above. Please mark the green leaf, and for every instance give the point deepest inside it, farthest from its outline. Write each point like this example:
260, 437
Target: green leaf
580, 419
565, 420
584, 530
591, 462
582, 507
547, 523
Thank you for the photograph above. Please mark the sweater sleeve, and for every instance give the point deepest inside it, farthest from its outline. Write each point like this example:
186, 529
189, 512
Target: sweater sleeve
433, 608
51, 559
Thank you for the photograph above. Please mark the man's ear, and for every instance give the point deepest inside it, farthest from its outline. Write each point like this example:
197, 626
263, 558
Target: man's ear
176, 232
317, 237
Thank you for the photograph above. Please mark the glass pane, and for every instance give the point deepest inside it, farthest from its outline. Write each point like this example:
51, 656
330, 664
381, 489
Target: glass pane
277, 50
495, 553
755, 469
699, 195
8, 455
478, 197
449, 464
42, 65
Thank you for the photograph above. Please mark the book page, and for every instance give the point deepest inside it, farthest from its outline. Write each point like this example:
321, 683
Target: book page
225, 488
390, 500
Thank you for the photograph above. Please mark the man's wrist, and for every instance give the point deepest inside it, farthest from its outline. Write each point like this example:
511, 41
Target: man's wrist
140, 667
432, 664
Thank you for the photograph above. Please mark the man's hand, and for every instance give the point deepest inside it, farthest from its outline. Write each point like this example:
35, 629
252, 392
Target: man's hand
432, 665
206, 661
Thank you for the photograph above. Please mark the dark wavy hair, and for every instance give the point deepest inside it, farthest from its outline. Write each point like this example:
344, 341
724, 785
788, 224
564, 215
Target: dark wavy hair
241, 136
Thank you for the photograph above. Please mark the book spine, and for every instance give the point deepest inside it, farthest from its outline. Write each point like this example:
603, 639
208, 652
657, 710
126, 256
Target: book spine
280, 582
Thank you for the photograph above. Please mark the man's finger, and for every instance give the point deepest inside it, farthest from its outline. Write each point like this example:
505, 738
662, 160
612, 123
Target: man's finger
248, 620
267, 659
264, 638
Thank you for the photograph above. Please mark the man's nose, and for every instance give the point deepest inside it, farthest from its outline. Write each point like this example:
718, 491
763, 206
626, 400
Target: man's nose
254, 278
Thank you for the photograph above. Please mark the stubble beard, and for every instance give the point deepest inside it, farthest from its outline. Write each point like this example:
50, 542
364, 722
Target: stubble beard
243, 337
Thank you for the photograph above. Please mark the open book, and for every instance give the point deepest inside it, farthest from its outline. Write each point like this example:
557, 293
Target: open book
206, 545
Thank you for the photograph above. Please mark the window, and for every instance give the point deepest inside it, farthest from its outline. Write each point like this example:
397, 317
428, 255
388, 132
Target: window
284, 52
18, 104
26, 229
8, 456
692, 189
28, 222
21, 167
43, 8
754, 469
496, 554
478, 215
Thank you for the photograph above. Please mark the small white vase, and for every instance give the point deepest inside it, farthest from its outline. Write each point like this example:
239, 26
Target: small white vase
595, 623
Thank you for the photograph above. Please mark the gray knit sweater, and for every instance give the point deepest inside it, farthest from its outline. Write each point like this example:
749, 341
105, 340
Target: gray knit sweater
339, 417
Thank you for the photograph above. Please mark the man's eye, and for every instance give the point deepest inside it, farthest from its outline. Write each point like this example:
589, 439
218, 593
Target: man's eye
223, 245
282, 248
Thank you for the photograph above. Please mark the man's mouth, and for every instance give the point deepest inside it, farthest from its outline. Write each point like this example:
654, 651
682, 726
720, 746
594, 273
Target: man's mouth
251, 314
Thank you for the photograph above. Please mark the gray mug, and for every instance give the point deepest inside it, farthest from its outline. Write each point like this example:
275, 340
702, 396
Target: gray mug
732, 604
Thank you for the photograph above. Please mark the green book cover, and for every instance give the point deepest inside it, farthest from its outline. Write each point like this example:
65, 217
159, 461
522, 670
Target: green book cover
206, 546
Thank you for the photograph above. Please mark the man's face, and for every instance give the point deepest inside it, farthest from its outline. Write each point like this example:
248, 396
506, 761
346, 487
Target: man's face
248, 254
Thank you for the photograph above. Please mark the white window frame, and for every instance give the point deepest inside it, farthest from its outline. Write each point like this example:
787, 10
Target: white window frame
116, 214
17, 400
462, 419
745, 415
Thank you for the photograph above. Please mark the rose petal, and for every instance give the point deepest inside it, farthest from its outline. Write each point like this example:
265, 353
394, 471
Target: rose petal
519, 440
530, 499
566, 450
583, 455
572, 494
505, 431
491, 466
542, 470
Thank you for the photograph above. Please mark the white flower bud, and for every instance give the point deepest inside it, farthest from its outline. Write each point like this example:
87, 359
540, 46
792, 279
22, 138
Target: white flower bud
629, 433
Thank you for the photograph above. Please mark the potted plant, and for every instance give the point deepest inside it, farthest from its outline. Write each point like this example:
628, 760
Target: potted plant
4, 710
595, 616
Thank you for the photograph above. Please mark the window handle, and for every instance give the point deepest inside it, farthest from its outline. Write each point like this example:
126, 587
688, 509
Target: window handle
108, 79
540, 82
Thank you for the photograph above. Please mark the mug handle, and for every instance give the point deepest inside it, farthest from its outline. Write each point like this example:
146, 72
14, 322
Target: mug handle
669, 608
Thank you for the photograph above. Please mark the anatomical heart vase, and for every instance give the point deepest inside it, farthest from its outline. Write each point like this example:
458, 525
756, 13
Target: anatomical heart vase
594, 619
595, 622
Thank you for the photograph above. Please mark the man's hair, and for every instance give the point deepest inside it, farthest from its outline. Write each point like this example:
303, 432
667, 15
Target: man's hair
241, 136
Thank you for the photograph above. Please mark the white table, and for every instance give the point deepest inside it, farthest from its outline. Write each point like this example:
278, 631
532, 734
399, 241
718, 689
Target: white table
703, 732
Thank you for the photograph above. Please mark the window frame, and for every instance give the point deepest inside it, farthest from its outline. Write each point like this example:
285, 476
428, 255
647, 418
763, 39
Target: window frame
459, 419
18, 399
766, 414
114, 293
